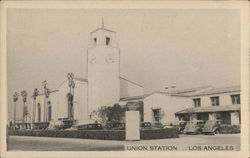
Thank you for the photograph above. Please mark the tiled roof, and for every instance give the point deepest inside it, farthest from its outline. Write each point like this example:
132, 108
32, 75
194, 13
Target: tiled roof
134, 97
210, 109
131, 82
219, 90
189, 90
185, 92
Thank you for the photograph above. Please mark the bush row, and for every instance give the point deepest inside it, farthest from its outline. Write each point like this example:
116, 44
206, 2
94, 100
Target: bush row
97, 134
86, 134
230, 129
159, 133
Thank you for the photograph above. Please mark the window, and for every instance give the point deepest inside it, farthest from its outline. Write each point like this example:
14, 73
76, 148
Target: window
39, 112
235, 99
156, 113
107, 41
95, 40
197, 102
215, 101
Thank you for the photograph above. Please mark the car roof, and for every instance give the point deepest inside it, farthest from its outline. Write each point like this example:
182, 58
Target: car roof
197, 121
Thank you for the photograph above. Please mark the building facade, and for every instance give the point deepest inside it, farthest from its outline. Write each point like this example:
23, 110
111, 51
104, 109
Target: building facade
103, 86
201, 103
218, 103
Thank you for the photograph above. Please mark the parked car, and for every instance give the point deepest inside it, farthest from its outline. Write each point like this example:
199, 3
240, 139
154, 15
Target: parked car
212, 127
92, 126
145, 125
158, 125
115, 125
40, 125
180, 125
194, 127
63, 124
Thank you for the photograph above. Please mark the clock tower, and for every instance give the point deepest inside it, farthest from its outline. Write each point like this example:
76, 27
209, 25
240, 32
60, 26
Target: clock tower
103, 59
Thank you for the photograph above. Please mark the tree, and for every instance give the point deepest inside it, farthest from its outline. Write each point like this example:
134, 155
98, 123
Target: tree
113, 113
15, 98
70, 95
24, 96
35, 94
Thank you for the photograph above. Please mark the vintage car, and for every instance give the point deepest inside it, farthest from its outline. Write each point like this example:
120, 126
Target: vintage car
194, 127
115, 125
64, 123
145, 124
212, 127
182, 125
158, 125
92, 126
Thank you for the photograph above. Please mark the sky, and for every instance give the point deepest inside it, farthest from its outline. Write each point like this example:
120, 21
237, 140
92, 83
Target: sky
159, 47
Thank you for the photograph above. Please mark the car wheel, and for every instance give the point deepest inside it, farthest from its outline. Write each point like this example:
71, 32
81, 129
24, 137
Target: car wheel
217, 131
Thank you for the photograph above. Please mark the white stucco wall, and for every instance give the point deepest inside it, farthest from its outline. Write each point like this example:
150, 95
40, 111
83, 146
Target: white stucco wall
168, 104
103, 77
224, 99
40, 99
80, 100
59, 102
62, 106
129, 89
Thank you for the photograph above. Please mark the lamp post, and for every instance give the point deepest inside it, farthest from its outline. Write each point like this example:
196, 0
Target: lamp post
24, 96
71, 83
15, 98
44, 84
35, 94
46, 94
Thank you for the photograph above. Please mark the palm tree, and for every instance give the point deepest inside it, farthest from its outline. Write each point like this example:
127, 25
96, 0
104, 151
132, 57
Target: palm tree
15, 98
24, 95
70, 95
35, 94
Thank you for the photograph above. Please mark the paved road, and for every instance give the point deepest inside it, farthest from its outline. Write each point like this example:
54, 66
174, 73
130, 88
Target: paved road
26, 143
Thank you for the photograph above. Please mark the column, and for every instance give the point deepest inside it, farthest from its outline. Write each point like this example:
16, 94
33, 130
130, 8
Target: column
235, 118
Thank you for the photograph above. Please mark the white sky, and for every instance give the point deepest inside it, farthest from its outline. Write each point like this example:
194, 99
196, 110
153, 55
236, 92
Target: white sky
159, 47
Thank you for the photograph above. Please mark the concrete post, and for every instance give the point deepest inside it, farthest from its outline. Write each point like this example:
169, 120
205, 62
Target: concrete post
132, 125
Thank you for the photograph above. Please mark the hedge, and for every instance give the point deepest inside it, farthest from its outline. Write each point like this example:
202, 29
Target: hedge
86, 134
159, 133
227, 129
97, 134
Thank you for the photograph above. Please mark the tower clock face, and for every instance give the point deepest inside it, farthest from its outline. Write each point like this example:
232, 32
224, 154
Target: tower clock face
92, 59
110, 59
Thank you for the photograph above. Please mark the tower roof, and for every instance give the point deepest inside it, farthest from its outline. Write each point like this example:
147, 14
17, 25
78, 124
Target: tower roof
102, 27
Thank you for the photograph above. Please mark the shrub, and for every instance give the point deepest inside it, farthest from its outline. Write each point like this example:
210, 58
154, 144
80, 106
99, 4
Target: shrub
230, 129
159, 133
85, 134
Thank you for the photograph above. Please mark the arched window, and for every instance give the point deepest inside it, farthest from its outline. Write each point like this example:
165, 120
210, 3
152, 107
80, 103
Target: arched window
39, 112
49, 111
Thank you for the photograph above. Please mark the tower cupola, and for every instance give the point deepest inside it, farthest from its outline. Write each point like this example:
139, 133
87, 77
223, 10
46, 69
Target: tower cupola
103, 37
